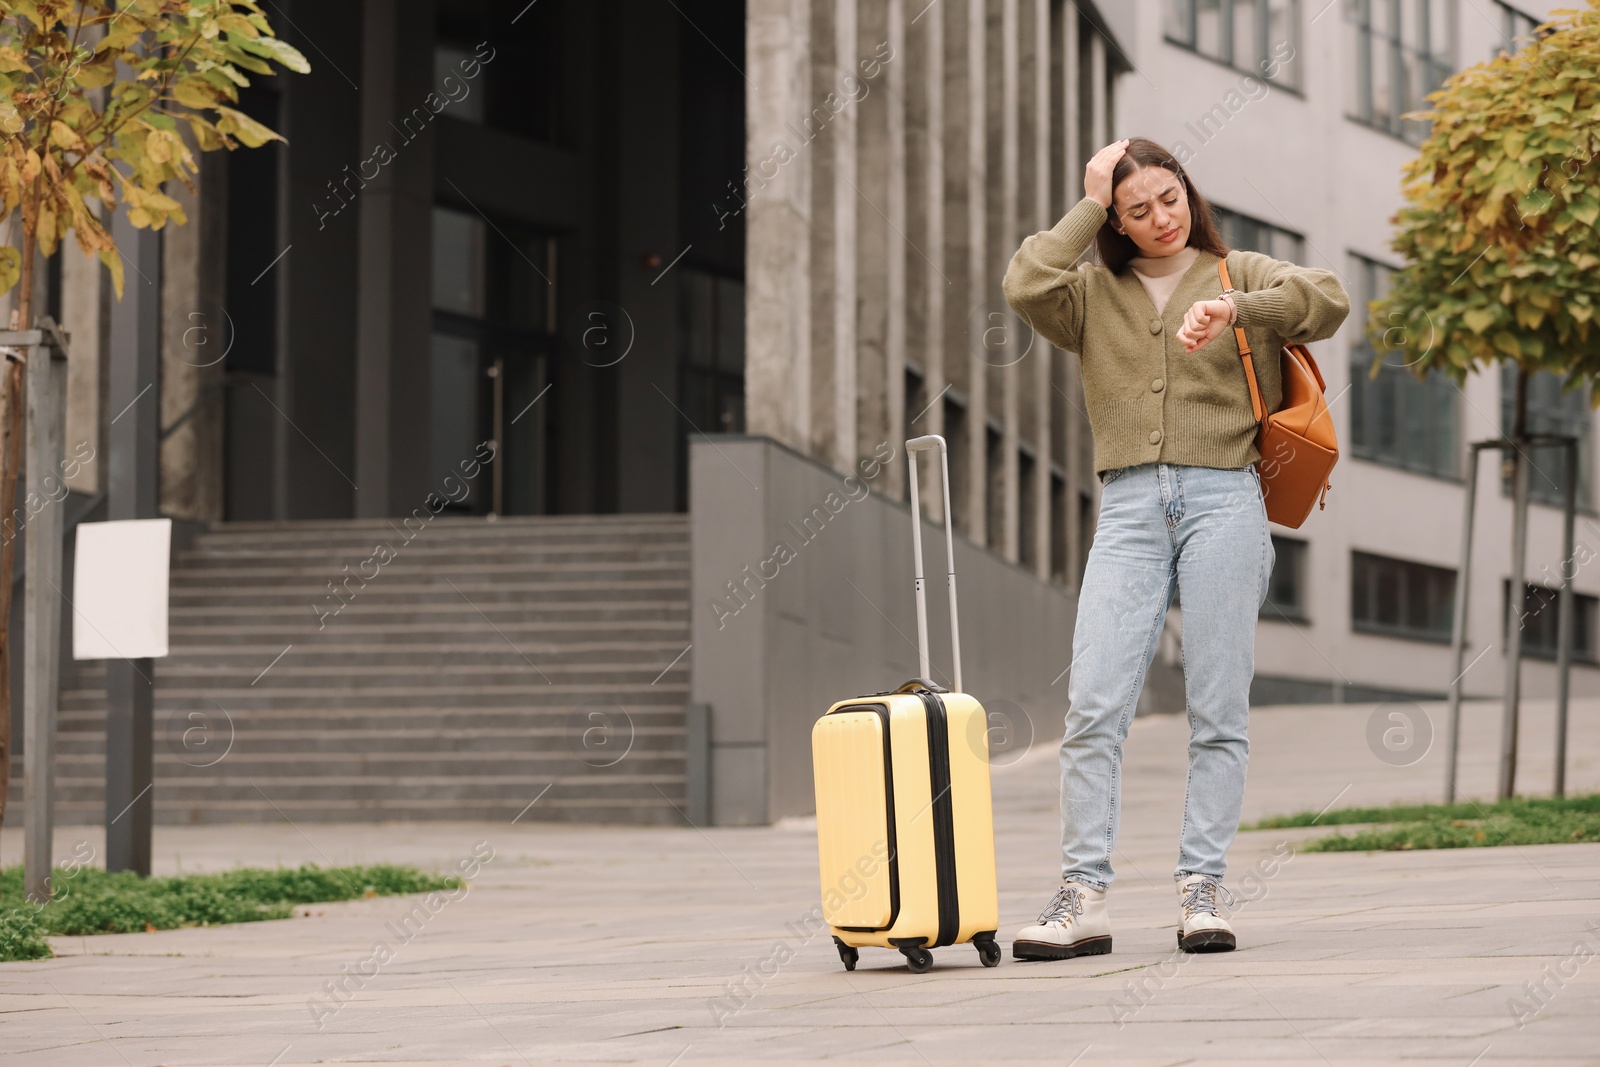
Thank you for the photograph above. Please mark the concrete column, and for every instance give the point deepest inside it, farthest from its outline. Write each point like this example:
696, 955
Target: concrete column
1098, 93
1099, 119
195, 332
816, 121
875, 246
1038, 374
375, 272
1072, 180
316, 278
1071, 116
930, 83
778, 295
912, 55
894, 90
1006, 240
647, 134
977, 174
393, 278
85, 316
842, 131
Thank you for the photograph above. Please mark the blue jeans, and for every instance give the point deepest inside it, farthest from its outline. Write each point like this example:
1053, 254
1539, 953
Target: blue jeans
1202, 532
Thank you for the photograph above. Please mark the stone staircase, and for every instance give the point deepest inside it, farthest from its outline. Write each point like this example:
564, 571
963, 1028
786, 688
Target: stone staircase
482, 667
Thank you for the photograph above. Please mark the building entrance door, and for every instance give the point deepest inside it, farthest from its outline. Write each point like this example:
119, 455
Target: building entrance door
494, 300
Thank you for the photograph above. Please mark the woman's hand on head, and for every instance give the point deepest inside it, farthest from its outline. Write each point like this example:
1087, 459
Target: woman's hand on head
1097, 174
1204, 320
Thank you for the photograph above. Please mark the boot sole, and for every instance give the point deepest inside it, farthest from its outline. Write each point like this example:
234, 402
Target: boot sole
1207, 941
1038, 950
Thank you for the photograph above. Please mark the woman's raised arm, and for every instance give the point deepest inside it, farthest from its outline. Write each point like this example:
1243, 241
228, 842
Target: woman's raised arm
1044, 282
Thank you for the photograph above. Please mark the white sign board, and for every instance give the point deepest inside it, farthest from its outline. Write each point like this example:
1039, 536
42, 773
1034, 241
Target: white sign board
119, 608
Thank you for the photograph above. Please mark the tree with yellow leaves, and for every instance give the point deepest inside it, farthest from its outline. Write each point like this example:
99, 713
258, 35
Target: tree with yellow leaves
1503, 267
1498, 233
95, 102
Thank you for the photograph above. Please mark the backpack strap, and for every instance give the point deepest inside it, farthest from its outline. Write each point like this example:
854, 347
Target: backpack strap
1257, 404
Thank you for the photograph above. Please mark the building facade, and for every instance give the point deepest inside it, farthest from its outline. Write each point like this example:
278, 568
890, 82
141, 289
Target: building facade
591, 232
1362, 601
875, 310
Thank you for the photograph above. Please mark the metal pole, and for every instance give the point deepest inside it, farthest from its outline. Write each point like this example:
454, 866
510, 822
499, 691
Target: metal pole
1564, 622
950, 568
46, 387
1515, 604
1458, 635
135, 394
916, 559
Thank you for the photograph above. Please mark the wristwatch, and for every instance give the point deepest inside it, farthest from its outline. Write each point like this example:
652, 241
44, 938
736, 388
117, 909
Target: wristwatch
1227, 294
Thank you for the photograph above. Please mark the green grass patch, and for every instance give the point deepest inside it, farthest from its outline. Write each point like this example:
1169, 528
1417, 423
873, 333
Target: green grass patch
1469, 824
88, 900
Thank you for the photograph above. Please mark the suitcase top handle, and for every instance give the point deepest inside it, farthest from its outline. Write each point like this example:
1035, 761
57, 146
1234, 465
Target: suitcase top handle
913, 446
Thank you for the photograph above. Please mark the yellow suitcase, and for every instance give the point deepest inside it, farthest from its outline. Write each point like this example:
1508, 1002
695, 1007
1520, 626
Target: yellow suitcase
905, 823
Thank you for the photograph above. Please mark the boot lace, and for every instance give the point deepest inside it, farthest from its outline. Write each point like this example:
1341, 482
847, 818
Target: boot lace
1202, 897
1067, 903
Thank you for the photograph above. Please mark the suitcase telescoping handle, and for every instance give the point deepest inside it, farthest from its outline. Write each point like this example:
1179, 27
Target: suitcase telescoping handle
913, 446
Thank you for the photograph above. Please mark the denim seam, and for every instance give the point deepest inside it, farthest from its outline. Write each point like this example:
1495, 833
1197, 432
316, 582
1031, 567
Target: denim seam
1266, 535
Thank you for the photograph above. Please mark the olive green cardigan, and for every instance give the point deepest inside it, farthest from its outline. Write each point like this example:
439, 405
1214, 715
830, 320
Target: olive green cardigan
1149, 401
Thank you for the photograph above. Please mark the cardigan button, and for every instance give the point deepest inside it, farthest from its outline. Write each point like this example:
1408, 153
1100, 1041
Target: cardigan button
1155, 437
1157, 385
1155, 325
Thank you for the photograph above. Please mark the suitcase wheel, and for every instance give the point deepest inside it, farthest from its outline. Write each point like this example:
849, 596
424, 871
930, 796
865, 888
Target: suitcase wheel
989, 953
847, 954
918, 960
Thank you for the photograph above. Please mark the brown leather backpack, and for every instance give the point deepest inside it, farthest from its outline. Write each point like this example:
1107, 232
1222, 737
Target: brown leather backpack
1297, 442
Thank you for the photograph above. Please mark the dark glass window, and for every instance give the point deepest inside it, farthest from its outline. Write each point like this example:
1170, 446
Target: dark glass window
1261, 37
1059, 517
1286, 589
1027, 510
1550, 410
916, 402
251, 291
955, 435
711, 345
1403, 50
493, 332
513, 78
1249, 233
994, 497
1399, 598
1541, 612
711, 324
1395, 419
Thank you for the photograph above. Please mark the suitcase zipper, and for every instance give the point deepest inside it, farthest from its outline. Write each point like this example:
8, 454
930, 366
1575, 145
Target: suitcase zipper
944, 835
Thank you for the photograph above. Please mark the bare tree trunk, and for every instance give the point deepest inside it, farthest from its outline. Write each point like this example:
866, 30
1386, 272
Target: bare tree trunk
10, 468
1517, 598
1519, 422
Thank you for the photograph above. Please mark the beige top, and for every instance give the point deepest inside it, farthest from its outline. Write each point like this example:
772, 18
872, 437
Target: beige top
1160, 275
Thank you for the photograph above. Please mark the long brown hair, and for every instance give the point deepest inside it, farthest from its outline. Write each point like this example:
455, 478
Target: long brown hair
1116, 249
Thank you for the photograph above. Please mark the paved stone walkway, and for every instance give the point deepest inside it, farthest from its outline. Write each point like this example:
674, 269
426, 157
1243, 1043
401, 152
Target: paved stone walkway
617, 945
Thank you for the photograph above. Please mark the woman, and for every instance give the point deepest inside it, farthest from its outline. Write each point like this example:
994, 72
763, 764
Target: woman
1180, 509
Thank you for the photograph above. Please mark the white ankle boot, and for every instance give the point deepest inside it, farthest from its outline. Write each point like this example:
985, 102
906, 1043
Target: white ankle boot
1074, 923
1201, 927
